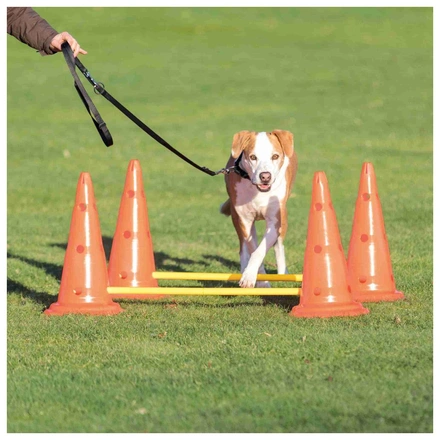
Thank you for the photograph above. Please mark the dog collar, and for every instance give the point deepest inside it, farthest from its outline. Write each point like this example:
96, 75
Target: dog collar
240, 171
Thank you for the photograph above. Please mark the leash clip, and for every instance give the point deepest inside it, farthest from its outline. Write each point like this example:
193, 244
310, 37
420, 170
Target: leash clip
225, 171
98, 88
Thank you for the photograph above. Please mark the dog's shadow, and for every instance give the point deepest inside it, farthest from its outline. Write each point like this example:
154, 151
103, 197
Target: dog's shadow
285, 302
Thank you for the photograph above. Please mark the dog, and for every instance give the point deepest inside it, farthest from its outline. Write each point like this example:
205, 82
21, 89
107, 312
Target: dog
265, 166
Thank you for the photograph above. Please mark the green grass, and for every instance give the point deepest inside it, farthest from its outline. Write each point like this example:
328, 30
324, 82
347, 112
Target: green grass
354, 85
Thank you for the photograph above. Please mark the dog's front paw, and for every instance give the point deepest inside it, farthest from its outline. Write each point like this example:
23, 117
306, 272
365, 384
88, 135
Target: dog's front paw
248, 279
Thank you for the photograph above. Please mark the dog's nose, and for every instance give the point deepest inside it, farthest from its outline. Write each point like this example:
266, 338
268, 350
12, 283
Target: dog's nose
265, 177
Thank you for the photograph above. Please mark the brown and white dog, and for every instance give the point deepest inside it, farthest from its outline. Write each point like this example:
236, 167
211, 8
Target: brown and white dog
266, 167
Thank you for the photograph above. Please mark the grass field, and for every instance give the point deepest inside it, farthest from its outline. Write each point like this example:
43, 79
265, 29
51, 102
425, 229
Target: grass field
354, 85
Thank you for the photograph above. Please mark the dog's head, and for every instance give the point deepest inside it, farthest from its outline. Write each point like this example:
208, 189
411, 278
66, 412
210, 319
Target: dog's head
263, 155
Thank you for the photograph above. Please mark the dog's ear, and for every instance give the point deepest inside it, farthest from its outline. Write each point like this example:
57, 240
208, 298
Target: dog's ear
240, 141
286, 140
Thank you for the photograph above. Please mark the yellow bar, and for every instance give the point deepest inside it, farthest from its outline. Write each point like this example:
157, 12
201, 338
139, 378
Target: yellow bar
222, 276
257, 291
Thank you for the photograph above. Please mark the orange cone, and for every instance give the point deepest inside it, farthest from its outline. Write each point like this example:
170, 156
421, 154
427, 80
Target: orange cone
325, 291
84, 280
131, 258
369, 263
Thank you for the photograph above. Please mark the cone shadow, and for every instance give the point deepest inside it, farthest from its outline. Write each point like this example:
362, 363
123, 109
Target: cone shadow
42, 298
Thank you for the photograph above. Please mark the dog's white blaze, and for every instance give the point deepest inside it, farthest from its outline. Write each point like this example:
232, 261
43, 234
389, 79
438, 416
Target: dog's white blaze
264, 150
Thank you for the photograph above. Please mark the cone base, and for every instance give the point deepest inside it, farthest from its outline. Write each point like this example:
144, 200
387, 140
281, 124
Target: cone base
88, 309
135, 296
378, 296
329, 310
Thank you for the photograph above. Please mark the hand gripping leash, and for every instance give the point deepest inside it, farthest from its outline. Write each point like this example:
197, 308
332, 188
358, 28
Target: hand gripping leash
100, 124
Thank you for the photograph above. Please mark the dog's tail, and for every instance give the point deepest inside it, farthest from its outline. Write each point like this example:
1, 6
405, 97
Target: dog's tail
225, 208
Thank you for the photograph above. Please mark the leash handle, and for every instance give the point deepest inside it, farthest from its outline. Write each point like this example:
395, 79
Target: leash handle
99, 123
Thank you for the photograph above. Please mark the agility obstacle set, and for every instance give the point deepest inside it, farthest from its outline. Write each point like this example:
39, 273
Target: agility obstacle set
331, 284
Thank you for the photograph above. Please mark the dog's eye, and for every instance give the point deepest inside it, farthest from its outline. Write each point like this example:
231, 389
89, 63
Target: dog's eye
253, 157
275, 156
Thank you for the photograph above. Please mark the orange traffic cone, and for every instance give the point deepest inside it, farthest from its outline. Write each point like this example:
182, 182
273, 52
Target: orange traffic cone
131, 259
369, 263
84, 280
325, 291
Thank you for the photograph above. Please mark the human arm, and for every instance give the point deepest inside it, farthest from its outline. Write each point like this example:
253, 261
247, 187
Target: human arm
29, 28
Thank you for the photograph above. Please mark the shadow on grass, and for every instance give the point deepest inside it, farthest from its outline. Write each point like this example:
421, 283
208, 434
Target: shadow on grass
233, 266
163, 261
179, 302
285, 302
51, 269
42, 298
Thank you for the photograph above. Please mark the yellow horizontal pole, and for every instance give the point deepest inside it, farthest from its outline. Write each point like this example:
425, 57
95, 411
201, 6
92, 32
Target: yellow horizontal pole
257, 291
222, 276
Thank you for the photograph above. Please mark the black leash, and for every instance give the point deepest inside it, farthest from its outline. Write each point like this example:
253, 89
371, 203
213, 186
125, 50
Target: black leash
101, 126
85, 98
